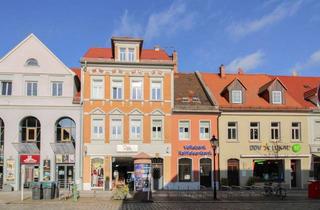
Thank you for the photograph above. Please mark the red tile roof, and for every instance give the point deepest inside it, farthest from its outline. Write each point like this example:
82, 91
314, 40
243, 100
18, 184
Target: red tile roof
254, 82
146, 54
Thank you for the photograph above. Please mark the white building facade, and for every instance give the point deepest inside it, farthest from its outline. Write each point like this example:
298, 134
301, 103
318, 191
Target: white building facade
40, 117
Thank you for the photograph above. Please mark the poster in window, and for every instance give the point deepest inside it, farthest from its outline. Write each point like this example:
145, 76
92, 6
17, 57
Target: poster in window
46, 170
97, 173
58, 158
10, 170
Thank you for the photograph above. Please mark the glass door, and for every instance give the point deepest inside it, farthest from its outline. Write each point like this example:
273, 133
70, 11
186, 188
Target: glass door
61, 176
65, 175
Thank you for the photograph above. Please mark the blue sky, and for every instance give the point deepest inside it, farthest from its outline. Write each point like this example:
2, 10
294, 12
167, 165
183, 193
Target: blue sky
271, 36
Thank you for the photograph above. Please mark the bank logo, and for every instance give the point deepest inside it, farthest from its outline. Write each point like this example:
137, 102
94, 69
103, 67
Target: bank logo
296, 148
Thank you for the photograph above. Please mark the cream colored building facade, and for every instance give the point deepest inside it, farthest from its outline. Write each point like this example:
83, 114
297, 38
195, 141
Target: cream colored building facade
246, 152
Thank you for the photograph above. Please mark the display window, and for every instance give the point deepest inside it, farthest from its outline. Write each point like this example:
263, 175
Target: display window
97, 173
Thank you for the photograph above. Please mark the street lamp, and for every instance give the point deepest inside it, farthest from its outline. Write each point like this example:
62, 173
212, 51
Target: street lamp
214, 145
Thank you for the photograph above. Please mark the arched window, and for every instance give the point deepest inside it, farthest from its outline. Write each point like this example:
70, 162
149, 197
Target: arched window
32, 62
185, 170
30, 130
1, 137
65, 130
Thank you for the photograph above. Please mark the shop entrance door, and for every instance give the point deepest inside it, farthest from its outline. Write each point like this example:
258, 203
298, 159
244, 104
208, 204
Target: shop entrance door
205, 172
295, 173
233, 172
122, 171
1, 176
157, 173
65, 174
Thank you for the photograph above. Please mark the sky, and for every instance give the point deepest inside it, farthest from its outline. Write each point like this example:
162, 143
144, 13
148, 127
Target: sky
259, 36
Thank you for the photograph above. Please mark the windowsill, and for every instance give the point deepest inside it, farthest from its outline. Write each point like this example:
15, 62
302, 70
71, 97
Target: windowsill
152, 100
116, 99
207, 139
113, 139
296, 140
233, 141
97, 99
255, 141
184, 139
96, 139
5, 95
135, 140
136, 100
275, 140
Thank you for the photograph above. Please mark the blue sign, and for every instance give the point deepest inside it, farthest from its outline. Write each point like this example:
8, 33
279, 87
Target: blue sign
195, 150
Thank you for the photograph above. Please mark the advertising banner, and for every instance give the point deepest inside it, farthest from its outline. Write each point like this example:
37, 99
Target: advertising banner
142, 174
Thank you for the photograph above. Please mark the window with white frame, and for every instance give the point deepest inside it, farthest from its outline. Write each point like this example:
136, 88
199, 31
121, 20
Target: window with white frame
295, 131
32, 88
236, 96
6, 88
97, 128
117, 89
156, 90
317, 130
232, 130
56, 88
275, 130
276, 97
254, 131
184, 130
123, 54
135, 129
157, 129
131, 55
204, 129
136, 89
97, 88
116, 129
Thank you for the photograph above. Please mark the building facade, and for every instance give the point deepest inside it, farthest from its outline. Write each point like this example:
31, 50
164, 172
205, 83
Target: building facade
127, 103
40, 117
263, 130
194, 122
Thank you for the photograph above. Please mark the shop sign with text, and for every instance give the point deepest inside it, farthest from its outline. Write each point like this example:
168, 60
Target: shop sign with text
195, 150
30, 159
276, 148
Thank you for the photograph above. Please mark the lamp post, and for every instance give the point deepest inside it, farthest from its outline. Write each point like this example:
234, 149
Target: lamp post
214, 144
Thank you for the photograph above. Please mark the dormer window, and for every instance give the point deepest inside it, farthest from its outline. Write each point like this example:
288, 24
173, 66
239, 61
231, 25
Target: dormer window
185, 100
276, 97
195, 99
236, 96
32, 62
127, 54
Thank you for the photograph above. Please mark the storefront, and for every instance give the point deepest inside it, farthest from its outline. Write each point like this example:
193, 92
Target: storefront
315, 162
65, 169
32, 169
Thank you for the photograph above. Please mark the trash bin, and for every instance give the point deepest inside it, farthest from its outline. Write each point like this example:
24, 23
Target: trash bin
37, 193
48, 190
314, 189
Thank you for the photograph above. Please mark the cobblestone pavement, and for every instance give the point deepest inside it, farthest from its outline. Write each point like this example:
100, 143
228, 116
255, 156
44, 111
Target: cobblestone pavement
118, 205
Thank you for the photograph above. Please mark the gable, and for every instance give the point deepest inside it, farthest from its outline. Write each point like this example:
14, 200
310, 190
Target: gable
136, 112
32, 48
116, 112
157, 112
97, 111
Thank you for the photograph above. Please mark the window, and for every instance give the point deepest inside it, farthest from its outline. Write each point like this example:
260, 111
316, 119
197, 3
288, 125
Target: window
65, 130
122, 54
157, 129
275, 130
204, 130
97, 128
30, 131
117, 88
276, 97
295, 130
97, 173
185, 170
131, 57
136, 89
56, 88
156, 90
116, 129
32, 88
236, 96
254, 131
6, 88
317, 130
97, 88
232, 130
135, 130
184, 130
32, 62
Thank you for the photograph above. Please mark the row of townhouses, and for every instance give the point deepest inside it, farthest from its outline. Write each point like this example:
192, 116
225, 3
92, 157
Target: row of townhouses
127, 113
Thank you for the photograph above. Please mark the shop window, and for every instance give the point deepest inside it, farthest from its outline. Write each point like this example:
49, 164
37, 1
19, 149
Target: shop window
268, 170
184, 130
97, 173
185, 170
32, 88
136, 89
6, 88
232, 130
156, 129
204, 130
30, 131
136, 127
236, 96
275, 130
254, 131
295, 131
97, 88
65, 130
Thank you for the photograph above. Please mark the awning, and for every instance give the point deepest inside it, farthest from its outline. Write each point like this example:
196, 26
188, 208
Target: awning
26, 148
62, 148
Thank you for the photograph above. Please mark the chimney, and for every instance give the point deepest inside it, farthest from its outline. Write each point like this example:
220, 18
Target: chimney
240, 70
156, 48
175, 61
295, 73
222, 71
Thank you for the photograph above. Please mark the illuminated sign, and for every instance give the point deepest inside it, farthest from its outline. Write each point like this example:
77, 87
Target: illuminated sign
276, 148
194, 150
